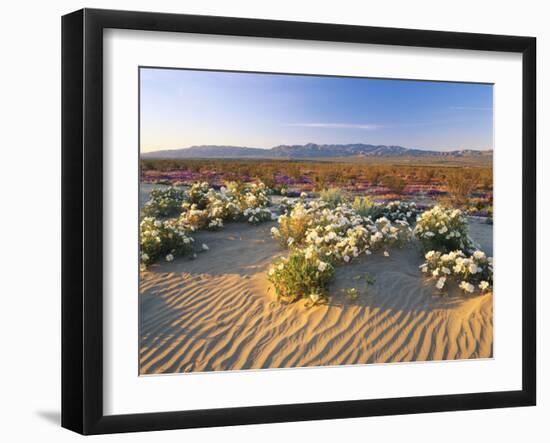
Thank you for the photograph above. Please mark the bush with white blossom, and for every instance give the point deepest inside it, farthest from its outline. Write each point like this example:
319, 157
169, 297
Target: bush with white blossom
258, 215
207, 208
293, 226
393, 211
164, 202
198, 194
162, 238
443, 229
472, 273
399, 210
247, 195
394, 234
286, 205
338, 233
193, 219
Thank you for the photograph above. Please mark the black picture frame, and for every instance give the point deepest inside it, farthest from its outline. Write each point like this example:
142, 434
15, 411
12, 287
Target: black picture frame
82, 218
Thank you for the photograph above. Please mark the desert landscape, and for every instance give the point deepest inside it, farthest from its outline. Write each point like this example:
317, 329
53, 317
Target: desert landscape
261, 249
217, 309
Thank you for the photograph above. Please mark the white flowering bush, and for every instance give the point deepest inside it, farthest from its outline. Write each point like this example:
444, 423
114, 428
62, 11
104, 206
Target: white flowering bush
198, 194
393, 211
220, 205
286, 205
207, 208
396, 234
257, 215
470, 272
343, 237
293, 226
162, 238
164, 202
398, 210
443, 229
245, 195
193, 219
214, 208
303, 274
338, 233
339, 245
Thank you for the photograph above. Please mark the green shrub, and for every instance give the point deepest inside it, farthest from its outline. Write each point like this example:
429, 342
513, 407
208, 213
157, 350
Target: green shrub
363, 206
332, 197
301, 275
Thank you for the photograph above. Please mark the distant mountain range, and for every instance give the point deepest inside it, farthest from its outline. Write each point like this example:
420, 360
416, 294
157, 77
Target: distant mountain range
310, 150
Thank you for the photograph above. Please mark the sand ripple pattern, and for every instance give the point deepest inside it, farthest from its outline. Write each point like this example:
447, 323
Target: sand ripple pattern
217, 313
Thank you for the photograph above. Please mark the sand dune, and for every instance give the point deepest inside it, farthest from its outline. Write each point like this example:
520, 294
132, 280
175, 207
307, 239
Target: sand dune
218, 313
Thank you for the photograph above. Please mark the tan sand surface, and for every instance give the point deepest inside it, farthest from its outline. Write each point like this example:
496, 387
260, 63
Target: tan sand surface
218, 313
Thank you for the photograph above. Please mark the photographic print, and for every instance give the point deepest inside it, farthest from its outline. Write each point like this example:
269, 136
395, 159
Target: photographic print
291, 221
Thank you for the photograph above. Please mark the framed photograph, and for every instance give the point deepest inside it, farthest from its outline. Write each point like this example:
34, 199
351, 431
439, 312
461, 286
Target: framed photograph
268, 221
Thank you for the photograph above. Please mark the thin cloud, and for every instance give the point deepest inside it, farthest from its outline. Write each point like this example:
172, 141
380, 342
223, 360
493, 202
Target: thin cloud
470, 108
368, 127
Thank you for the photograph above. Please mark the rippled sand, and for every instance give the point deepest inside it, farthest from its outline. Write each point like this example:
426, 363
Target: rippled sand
218, 313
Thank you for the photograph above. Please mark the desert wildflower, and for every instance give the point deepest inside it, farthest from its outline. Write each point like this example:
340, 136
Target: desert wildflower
466, 287
483, 285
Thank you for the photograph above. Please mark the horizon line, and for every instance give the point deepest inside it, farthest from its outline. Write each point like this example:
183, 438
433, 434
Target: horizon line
313, 143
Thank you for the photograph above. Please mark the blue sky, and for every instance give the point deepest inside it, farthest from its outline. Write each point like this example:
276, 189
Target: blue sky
182, 108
